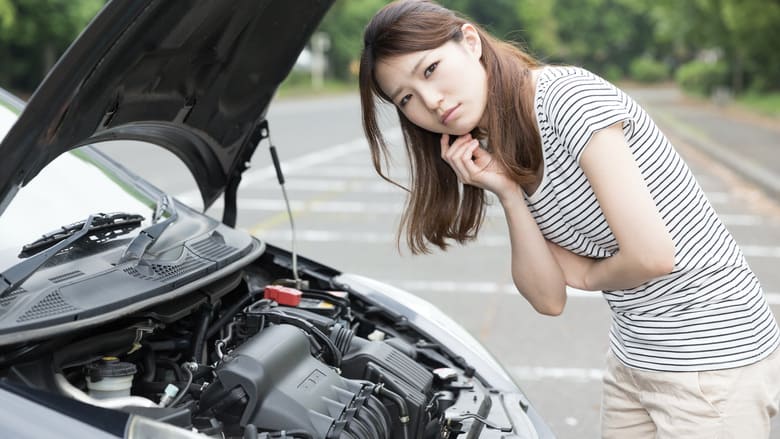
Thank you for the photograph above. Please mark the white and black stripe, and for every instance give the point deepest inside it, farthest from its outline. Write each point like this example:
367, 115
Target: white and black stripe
710, 312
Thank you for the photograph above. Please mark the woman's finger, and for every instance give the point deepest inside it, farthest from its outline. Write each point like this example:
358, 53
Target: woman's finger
457, 147
445, 145
467, 158
461, 161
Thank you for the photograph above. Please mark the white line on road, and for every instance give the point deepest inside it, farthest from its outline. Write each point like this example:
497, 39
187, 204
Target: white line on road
526, 373
365, 171
259, 204
758, 251
373, 207
741, 220
718, 197
750, 251
336, 185
428, 286
305, 161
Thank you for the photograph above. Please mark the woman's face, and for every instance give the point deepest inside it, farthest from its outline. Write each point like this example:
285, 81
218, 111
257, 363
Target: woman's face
443, 90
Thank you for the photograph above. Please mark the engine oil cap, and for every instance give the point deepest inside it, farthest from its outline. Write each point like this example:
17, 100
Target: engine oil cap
109, 367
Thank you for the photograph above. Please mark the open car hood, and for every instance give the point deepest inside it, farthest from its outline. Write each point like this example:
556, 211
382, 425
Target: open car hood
193, 76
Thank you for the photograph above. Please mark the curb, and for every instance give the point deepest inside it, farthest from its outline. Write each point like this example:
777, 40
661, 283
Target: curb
745, 166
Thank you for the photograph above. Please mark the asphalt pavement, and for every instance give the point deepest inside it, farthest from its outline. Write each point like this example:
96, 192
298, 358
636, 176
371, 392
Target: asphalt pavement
746, 142
347, 217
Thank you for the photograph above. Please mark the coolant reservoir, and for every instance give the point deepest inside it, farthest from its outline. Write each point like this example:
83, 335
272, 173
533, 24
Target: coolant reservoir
110, 378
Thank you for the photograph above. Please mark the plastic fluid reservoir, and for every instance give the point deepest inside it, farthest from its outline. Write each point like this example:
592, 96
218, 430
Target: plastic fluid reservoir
110, 378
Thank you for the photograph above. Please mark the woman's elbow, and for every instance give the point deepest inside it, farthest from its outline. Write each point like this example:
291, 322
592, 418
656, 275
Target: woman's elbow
550, 309
549, 301
658, 260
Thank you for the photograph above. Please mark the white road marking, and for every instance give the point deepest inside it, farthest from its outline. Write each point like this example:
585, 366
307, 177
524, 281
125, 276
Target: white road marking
373, 207
260, 204
759, 251
434, 286
527, 373
305, 161
718, 197
365, 171
333, 185
750, 251
741, 220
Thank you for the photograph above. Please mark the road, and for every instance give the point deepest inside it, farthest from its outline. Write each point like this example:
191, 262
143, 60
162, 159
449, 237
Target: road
347, 217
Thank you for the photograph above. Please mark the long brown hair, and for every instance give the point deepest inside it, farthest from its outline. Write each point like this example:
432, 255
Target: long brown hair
438, 208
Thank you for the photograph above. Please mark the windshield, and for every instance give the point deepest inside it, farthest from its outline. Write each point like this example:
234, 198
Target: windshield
7, 118
68, 190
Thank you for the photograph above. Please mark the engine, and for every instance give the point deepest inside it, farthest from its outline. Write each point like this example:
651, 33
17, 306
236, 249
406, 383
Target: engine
248, 358
273, 381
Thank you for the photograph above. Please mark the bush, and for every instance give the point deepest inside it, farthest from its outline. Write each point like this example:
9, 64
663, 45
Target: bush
646, 69
702, 77
612, 73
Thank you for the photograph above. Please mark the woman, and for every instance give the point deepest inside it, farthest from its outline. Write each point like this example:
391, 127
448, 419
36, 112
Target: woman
595, 198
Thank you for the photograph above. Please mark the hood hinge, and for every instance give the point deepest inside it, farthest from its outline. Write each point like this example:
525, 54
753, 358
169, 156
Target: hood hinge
230, 209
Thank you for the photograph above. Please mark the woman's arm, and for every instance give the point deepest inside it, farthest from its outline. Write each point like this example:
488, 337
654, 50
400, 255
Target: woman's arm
535, 271
646, 249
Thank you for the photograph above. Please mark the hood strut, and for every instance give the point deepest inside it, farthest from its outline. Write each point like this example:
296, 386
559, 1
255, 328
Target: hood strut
231, 189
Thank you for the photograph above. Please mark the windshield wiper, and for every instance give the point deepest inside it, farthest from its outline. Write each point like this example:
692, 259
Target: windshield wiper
99, 227
104, 227
146, 237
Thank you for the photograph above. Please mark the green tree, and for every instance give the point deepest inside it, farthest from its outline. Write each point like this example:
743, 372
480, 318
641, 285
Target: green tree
602, 35
36, 35
344, 24
754, 31
7, 15
537, 21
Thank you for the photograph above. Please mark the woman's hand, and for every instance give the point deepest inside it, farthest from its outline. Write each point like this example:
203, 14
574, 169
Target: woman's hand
475, 166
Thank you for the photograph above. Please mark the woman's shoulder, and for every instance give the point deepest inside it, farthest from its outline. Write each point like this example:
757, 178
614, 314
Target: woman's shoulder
558, 84
554, 77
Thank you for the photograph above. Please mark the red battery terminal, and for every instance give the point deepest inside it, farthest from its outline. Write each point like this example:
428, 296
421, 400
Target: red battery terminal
283, 295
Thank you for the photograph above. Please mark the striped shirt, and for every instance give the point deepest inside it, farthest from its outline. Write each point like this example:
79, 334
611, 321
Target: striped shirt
710, 312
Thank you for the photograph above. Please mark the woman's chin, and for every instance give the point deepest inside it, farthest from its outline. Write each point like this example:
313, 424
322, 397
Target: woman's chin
460, 130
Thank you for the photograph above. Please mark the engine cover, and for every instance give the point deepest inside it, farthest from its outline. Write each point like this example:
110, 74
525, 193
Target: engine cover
287, 389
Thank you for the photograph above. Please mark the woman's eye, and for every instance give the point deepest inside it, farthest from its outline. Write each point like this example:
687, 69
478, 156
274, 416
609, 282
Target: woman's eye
404, 100
430, 69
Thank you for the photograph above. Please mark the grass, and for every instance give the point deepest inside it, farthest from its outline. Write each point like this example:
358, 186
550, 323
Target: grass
767, 104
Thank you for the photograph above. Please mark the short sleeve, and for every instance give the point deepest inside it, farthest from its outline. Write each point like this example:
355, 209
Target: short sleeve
576, 106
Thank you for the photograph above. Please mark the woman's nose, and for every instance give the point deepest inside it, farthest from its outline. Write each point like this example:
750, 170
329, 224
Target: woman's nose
431, 98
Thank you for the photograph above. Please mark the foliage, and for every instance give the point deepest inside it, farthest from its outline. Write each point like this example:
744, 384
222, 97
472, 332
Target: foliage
598, 33
647, 69
7, 15
36, 34
611, 37
701, 77
766, 103
344, 23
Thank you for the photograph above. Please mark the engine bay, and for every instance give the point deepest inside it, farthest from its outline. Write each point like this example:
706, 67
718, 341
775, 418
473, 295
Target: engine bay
258, 355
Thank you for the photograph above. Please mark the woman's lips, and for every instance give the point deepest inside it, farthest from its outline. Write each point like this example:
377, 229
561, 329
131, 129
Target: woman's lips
448, 114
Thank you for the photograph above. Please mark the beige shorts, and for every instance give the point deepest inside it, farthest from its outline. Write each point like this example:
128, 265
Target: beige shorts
730, 403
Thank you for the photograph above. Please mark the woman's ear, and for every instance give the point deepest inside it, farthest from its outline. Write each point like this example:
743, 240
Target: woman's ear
471, 39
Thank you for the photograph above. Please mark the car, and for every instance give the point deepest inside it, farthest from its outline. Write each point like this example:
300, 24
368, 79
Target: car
125, 312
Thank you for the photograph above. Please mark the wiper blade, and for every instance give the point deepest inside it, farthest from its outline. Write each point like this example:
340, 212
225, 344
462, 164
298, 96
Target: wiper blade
104, 227
146, 237
98, 225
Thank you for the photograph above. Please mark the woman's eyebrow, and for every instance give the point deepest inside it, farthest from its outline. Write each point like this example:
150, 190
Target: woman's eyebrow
394, 96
